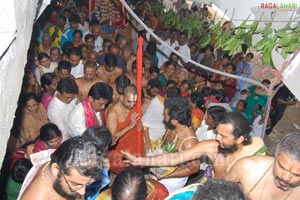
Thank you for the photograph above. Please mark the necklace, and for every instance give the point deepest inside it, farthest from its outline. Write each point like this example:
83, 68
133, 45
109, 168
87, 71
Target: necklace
44, 181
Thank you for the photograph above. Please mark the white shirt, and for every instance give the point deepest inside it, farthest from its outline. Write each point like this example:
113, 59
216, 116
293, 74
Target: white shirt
76, 122
185, 51
77, 71
98, 41
203, 134
153, 119
40, 70
58, 113
257, 129
165, 50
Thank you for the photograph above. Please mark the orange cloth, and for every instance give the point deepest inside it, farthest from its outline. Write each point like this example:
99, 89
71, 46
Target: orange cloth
126, 143
197, 117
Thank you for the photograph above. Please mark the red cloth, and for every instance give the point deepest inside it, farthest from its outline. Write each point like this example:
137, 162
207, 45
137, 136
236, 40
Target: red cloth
126, 143
39, 145
139, 78
230, 87
156, 190
89, 115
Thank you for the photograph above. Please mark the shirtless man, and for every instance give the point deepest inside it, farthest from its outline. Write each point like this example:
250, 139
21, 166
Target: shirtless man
109, 71
87, 81
73, 166
124, 123
265, 177
232, 142
177, 119
132, 75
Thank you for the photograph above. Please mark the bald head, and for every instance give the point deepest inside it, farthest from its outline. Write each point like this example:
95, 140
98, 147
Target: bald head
130, 90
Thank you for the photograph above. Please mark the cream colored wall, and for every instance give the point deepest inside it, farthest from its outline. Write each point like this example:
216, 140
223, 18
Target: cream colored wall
16, 21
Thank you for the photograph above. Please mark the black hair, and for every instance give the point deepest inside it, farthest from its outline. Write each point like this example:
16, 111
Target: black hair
47, 79
250, 54
30, 96
244, 47
67, 85
54, 49
94, 22
101, 90
121, 82
179, 109
233, 67
173, 92
62, 17
185, 33
129, 184
168, 63
75, 51
241, 126
151, 48
42, 55
217, 113
79, 153
88, 36
266, 81
100, 134
106, 41
67, 47
244, 102
111, 60
210, 47
64, 64
198, 99
74, 18
171, 82
154, 69
218, 189
208, 91
20, 170
227, 56
155, 83
49, 131
77, 31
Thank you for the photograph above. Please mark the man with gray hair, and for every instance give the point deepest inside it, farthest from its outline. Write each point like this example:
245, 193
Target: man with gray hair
265, 177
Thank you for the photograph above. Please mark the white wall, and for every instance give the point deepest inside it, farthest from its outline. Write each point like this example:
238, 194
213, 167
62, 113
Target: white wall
16, 21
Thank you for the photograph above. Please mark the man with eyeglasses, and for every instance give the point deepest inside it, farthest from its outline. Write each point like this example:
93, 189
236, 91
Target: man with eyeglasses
73, 166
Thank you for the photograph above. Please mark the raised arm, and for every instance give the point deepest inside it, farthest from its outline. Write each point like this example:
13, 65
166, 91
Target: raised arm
172, 159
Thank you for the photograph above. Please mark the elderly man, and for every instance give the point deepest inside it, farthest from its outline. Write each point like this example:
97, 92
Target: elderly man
73, 166
232, 142
90, 112
88, 80
265, 177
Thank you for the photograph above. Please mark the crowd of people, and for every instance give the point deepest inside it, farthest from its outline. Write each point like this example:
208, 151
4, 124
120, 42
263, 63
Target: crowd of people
78, 132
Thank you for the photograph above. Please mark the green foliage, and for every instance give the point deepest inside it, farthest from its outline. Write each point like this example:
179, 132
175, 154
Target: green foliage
169, 147
230, 39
